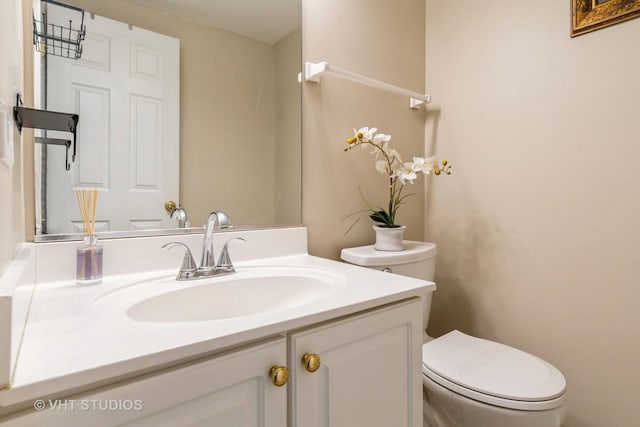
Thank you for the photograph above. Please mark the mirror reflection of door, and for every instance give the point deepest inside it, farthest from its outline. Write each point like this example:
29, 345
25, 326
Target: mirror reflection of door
125, 89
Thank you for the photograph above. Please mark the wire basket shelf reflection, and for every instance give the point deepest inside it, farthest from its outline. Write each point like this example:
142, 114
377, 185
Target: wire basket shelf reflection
59, 39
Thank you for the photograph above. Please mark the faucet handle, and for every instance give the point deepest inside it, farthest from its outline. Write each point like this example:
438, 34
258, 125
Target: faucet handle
224, 262
188, 267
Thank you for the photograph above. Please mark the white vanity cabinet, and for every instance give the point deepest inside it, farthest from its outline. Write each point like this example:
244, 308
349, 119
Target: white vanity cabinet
367, 370
368, 374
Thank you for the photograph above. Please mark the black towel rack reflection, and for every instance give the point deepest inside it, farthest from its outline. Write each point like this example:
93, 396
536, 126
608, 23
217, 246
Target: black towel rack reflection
48, 120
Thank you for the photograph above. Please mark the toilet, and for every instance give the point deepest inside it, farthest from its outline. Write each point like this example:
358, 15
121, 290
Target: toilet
468, 381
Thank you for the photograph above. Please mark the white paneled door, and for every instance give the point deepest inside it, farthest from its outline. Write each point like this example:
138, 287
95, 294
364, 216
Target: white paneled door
125, 89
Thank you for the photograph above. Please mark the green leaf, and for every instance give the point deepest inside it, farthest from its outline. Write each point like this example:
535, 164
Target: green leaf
381, 216
353, 224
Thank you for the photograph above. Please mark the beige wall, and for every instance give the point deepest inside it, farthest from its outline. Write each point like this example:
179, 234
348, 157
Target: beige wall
288, 130
11, 78
383, 40
538, 230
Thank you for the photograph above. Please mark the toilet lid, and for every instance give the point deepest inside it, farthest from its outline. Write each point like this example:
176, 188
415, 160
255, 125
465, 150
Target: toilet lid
492, 372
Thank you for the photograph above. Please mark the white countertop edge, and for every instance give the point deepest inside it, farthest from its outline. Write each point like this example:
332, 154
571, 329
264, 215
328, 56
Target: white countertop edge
12, 315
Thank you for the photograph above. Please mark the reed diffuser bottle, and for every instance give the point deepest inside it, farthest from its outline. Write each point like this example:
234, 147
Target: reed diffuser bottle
89, 253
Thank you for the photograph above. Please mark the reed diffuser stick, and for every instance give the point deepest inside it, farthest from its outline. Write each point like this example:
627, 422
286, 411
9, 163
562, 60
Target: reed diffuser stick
87, 202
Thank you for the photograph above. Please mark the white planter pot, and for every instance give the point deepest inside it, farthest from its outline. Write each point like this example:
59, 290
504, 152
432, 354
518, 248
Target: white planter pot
389, 238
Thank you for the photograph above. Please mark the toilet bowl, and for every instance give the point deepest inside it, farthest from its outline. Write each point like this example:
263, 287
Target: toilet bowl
468, 381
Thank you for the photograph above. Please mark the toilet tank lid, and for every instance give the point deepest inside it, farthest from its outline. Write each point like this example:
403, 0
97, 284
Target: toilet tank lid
366, 256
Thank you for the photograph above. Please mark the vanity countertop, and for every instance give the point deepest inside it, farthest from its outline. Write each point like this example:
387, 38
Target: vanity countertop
72, 343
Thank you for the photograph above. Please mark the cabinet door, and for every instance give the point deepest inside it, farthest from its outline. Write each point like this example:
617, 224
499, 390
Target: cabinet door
370, 371
229, 390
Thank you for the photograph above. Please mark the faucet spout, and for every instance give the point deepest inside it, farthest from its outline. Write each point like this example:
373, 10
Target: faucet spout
217, 220
181, 215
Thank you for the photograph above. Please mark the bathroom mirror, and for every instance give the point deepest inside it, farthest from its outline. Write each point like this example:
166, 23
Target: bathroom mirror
238, 124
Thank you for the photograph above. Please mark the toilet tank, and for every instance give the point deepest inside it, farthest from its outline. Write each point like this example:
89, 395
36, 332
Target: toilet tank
417, 260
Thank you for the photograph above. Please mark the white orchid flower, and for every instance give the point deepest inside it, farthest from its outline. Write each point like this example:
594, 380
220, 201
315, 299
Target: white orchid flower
367, 133
394, 156
382, 166
426, 166
406, 173
382, 142
381, 139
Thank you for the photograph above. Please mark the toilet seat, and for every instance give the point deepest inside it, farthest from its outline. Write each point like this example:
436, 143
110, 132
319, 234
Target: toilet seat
493, 373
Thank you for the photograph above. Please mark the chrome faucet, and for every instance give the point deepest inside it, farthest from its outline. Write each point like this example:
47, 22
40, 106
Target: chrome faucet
181, 215
208, 266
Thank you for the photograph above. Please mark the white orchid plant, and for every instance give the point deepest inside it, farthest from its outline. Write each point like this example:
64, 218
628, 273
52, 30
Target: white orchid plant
399, 173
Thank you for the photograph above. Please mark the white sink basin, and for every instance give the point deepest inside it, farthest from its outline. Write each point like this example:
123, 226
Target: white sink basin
248, 292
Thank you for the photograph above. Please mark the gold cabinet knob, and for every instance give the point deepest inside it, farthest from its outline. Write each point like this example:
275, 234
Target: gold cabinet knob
279, 375
311, 362
170, 206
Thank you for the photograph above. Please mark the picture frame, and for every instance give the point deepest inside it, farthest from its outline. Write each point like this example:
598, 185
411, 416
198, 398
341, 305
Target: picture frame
590, 15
